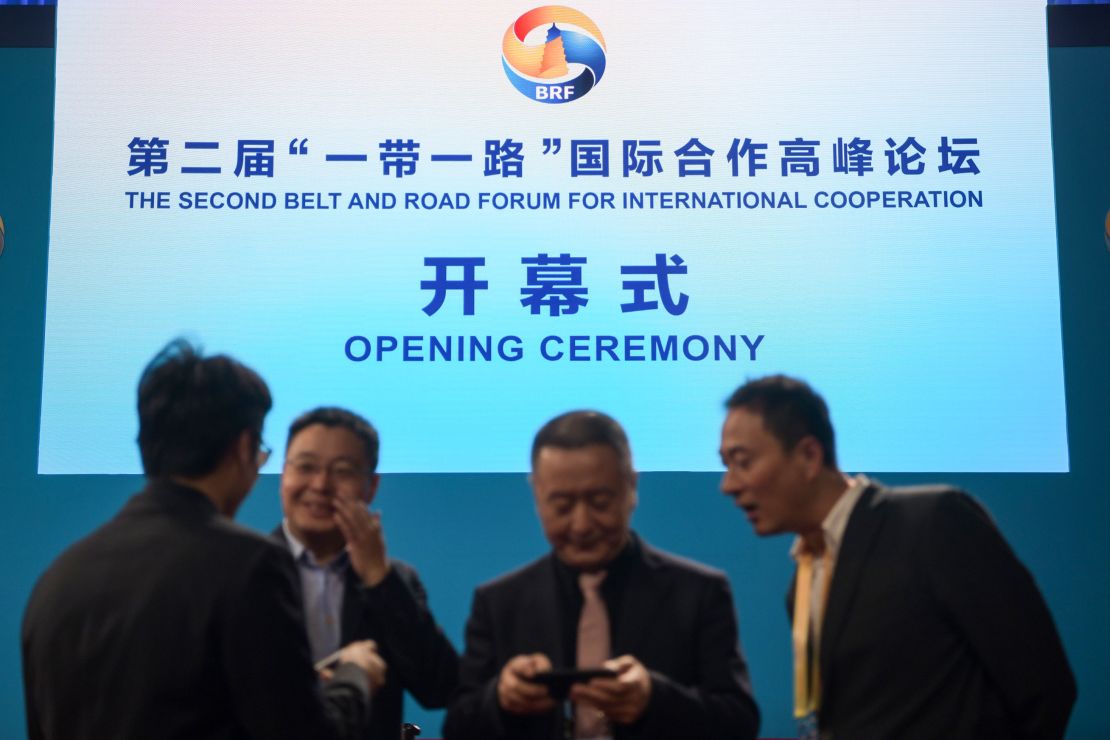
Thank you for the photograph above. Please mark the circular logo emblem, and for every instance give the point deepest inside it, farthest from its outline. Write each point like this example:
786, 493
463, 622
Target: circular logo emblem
553, 54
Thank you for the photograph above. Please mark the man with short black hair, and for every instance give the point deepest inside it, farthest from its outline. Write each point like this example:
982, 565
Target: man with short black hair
171, 621
913, 619
352, 589
603, 598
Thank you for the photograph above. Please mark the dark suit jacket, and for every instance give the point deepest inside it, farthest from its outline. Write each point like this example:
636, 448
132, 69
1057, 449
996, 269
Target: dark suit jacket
171, 621
934, 629
675, 616
419, 657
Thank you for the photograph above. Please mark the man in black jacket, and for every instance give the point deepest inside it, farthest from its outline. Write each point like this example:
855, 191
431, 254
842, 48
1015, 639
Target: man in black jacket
171, 621
352, 589
603, 598
913, 618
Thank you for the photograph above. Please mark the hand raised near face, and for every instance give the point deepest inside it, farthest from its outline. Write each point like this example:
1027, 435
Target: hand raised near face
362, 529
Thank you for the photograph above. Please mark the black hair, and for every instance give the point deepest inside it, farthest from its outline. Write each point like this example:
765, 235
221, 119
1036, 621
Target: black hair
577, 429
791, 410
192, 409
333, 416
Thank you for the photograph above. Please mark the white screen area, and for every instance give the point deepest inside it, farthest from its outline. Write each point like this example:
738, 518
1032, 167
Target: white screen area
857, 193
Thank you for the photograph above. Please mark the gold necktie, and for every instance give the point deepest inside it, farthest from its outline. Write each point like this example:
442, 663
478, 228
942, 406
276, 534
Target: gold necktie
807, 679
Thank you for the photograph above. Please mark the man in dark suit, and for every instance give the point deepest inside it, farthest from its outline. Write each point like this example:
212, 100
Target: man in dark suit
912, 616
665, 626
352, 590
171, 621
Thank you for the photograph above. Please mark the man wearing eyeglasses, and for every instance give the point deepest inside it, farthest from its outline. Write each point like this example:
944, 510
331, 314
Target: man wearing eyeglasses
352, 589
171, 621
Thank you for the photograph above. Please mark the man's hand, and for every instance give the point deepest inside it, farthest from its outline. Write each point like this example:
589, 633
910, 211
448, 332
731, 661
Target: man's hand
364, 654
622, 699
365, 540
516, 694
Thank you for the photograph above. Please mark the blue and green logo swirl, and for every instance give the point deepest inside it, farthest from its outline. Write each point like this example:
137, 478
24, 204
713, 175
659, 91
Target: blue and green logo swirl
565, 66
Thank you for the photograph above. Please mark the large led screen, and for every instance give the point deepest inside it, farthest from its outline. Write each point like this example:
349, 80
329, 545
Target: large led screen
460, 219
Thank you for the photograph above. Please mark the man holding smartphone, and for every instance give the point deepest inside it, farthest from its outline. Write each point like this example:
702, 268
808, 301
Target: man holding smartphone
664, 627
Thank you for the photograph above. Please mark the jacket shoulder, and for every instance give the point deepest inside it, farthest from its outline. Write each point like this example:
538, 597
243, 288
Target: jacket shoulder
407, 572
919, 509
919, 498
516, 579
234, 535
679, 566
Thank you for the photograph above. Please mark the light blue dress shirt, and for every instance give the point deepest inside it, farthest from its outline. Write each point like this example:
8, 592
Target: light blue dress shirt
322, 591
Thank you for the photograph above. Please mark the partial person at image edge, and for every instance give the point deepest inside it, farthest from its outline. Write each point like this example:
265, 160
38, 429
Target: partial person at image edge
922, 623
170, 620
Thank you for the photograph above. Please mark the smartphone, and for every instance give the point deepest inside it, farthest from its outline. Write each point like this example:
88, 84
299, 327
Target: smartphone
559, 680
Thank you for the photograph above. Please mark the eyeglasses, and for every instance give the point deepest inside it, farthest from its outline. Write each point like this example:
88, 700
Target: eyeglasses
264, 453
340, 471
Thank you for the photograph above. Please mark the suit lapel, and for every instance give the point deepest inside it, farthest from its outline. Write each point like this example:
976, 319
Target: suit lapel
545, 613
351, 614
859, 536
643, 592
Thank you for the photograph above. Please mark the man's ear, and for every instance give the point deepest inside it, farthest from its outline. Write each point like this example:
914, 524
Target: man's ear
535, 496
812, 454
371, 488
246, 450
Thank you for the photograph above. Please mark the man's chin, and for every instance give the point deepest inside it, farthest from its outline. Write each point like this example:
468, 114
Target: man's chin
316, 527
585, 559
765, 529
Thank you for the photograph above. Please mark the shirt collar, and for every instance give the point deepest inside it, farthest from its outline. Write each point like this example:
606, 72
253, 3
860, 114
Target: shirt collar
836, 521
615, 569
301, 553
295, 546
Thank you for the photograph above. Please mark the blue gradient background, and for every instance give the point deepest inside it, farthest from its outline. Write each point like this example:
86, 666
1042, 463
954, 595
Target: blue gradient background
905, 319
462, 529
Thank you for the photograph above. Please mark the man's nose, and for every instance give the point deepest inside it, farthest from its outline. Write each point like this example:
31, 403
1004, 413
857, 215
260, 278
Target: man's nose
321, 479
580, 519
730, 483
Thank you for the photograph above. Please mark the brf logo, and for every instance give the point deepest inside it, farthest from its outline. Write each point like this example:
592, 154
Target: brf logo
553, 54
